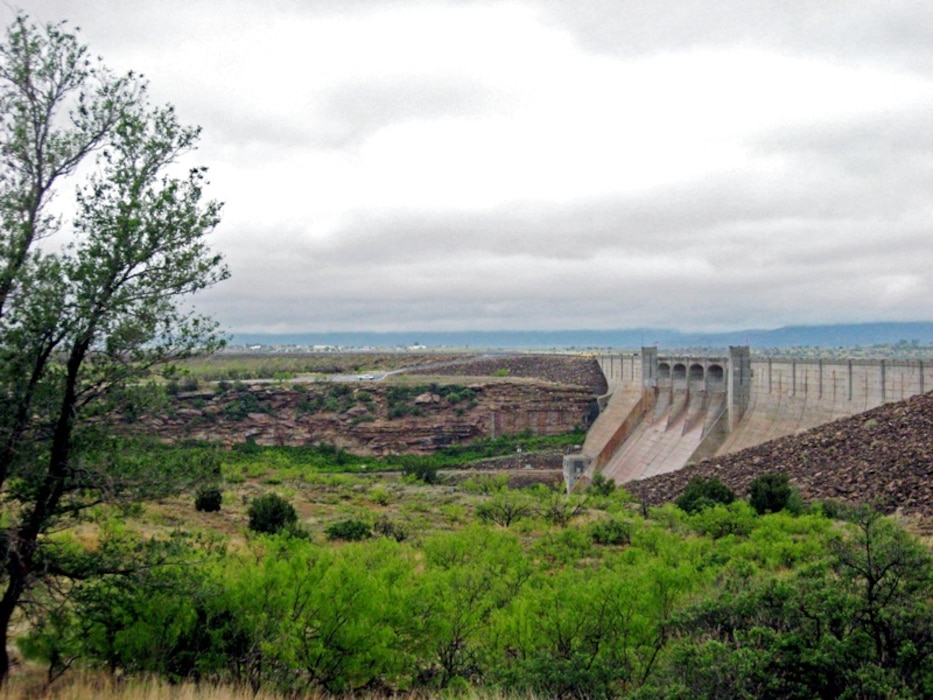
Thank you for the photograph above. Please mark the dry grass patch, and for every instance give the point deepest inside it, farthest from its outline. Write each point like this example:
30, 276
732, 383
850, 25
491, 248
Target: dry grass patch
32, 685
81, 686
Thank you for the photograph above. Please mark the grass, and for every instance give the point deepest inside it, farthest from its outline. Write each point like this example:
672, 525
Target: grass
81, 686
412, 509
320, 502
30, 685
245, 366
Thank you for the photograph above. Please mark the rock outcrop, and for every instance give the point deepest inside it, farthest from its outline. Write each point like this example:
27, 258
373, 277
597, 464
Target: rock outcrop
570, 370
376, 418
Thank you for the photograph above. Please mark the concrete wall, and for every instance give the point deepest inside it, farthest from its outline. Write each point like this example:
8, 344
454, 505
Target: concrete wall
769, 397
858, 384
621, 369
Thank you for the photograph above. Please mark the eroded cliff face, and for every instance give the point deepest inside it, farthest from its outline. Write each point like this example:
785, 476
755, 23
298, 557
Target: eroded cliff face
374, 418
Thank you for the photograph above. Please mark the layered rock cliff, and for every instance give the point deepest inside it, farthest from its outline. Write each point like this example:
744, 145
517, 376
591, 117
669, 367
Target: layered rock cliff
380, 418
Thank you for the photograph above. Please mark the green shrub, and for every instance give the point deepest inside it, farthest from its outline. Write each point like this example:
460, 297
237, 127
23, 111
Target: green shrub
485, 483
612, 532
769, 493
241, 402
420, 471
208, 500
601, 486
390, 529
504, 508
380, 496
835, 509
271, 513
559, 508
701, 493
718, 521
248, 447
349, 531
362, 418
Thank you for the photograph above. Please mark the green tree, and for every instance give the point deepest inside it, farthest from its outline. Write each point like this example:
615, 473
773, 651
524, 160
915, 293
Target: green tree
319, 618
853, 622
701, 493
601, 486
469, 576
559, 508
890, 577
83, 324
349, 530
569, 635
504, 508
209, 500
270, 513
769, 493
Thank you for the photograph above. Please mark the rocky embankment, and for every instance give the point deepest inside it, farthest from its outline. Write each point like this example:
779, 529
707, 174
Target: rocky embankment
883, 457
555, 395
570, 370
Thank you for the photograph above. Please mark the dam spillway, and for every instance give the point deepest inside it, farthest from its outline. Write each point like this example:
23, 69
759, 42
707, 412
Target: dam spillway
665, 411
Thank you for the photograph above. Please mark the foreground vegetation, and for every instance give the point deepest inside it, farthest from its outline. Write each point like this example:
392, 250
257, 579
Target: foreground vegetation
384, 583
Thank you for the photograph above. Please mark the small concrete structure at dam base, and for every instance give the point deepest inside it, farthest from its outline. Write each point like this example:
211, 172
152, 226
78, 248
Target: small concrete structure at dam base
663, 412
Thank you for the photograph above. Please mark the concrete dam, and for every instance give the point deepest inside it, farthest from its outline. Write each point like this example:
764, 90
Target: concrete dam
664, 411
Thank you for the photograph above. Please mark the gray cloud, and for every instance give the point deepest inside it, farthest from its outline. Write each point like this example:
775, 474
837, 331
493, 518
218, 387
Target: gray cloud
898, 31
598, 164
349, 114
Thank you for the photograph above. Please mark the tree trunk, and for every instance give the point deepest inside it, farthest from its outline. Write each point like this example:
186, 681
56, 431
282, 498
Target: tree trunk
15, 587
22, 548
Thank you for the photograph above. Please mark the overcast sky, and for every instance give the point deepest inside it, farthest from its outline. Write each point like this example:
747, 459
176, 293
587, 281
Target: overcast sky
546, 164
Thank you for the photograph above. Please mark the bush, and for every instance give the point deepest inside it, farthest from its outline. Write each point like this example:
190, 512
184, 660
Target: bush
421, 471
271, 513
835, 509
208, 500
349, 531
504, 508
769, 493
601, 486
248, 447
485, 483
559, 509
380, 496
392, 530
701, 493
719, 521
612, 532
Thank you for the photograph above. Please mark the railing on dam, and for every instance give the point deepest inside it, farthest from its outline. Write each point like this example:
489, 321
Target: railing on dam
868, 382
621, 369
741, 402
862, 382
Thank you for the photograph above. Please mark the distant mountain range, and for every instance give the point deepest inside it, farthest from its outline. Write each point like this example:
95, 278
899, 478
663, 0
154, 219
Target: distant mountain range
827, 336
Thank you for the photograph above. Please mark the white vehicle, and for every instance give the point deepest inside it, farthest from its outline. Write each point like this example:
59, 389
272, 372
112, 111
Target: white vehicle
365, 377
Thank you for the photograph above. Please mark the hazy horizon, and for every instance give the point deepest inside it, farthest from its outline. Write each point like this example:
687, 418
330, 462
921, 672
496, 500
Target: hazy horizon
834, 336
